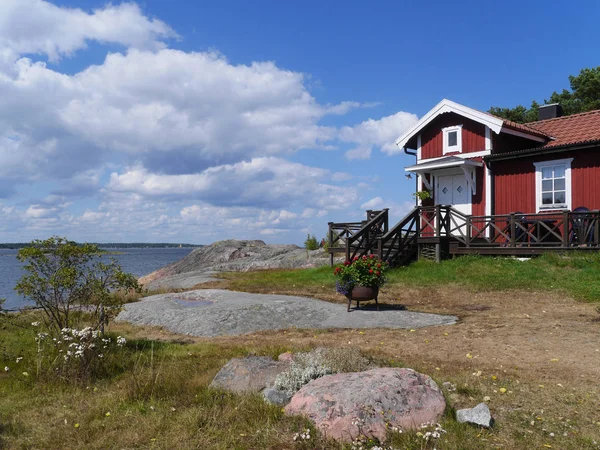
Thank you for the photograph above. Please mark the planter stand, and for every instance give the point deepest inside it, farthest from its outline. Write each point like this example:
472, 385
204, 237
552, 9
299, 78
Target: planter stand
362, 293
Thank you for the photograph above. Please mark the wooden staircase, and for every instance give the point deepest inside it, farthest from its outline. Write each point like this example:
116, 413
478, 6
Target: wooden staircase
397, 246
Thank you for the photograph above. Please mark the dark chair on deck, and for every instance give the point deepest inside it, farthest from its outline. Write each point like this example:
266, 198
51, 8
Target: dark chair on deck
582, 227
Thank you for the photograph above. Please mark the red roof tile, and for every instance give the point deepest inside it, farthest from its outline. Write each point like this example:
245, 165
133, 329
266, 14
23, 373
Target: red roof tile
570, 130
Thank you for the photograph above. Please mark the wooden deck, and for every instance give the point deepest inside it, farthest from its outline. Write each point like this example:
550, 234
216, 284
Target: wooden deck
443, 231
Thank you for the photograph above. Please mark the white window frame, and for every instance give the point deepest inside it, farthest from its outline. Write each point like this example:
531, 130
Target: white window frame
455, 148
538, 184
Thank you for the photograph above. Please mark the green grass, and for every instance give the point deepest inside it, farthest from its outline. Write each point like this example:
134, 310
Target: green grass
576, 274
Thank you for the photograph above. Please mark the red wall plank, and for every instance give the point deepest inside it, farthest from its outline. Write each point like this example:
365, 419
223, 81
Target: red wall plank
515, 181
473, 136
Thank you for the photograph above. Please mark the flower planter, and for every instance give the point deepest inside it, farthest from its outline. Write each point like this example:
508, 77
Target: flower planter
363, 293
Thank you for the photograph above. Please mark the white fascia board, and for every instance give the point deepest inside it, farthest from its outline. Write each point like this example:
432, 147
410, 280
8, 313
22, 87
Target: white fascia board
442, 165
459, 155
446, 106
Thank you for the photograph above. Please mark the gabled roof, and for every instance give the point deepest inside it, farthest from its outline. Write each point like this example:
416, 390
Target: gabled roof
496, 124
570, 132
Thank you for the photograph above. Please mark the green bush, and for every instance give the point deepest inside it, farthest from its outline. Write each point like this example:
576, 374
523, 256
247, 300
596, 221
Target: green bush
311, 242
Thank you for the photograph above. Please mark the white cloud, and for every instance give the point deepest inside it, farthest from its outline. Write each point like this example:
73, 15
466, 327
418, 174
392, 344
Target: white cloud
117, 150
39, 27
374, 203
271, 182
359, 153
379, 133
191, 111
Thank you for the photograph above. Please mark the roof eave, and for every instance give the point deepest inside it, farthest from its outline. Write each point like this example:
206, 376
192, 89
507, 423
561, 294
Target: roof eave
447, 106
540, 151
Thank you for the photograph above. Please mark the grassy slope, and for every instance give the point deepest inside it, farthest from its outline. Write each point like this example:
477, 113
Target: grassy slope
576, 275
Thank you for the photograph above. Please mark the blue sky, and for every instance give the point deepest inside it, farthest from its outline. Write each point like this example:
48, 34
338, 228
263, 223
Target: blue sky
190, 121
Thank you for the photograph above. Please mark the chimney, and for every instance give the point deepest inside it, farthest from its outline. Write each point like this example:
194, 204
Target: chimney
550, 111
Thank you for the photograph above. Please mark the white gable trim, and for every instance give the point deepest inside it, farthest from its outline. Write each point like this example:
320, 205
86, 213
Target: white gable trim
446, 106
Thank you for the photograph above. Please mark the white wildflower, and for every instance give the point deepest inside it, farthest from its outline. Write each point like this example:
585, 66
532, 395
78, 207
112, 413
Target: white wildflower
6, 368
35, 324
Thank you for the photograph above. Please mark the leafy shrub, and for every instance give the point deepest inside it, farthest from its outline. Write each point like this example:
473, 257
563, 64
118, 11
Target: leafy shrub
311, 242
60, 274
320, 362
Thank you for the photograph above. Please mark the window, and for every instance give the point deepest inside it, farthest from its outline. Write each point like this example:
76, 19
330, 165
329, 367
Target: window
452, 139
553, 184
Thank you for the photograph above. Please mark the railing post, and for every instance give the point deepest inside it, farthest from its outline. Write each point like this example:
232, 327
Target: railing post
380, 248
597, 229
513, 230
330, 244
565, 238
438, 217
468, 231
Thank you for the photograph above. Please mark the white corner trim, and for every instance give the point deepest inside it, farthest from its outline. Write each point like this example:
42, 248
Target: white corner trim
488, 138
458, 147
488, 174
538, 184
419, 147
446, 106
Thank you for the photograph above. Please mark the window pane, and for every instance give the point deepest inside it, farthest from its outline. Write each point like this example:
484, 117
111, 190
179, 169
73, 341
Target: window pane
559, 197
452, 138
546, 185
559, 171
547, 198
559, 184
546, 173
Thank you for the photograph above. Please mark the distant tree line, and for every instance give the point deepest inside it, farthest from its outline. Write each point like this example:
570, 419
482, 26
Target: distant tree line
19, 245
584, 96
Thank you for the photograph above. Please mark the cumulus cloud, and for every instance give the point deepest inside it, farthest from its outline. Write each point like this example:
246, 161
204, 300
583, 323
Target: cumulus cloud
39, 27
267, 182
379, 133
117, 150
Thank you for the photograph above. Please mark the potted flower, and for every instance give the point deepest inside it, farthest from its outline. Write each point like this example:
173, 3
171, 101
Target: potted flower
360, 279
424, 197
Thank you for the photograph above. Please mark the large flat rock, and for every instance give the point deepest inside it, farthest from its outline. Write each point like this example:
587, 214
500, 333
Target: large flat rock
215, 312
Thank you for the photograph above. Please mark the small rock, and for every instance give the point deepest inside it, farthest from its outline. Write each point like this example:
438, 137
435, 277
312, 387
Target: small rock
347, 405
275, 396
287, 356
480, 415
251, 374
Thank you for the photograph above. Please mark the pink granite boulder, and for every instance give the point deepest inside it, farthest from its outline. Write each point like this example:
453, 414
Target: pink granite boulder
347, 405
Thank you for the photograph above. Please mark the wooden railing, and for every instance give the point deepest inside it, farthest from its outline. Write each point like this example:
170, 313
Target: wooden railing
562, 229
544, 231
358, 238
399, 244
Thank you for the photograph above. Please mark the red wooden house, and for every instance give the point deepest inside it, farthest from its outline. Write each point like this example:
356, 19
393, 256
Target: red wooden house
497, 187
485, 165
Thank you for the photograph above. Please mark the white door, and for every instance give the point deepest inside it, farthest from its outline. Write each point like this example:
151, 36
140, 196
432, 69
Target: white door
453, 190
